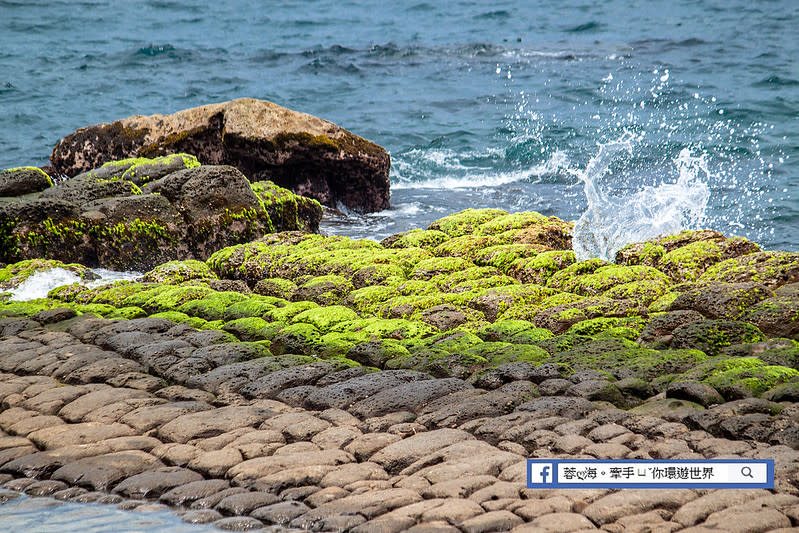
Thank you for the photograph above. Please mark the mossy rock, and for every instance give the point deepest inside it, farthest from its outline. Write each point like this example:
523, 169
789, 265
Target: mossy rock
141, 294
514, 221
772, 269
465, 246
418, 238
429, 268
289, 311
378, 352
12, 309
326, 318
503, 256
141, 170
663, 303
641, 253
780, 352
778, 316
443, 364
584, 279
540, 268
626, 359
251, 329
721, 300
560, 318
117, 294
394, 328
23, 180
711, 336
741, 376
498, 353
368, 299
298, 338
277, 287
495, 301
451, 341
324, 290
409, 307
336, 344
472, 276
12, 275
465, 222
287, 211
378, 274
181, 318
611, 326
555, 234
176, 272
129, 313
254, 306
505, 330
68, 293
175, 297
212, 307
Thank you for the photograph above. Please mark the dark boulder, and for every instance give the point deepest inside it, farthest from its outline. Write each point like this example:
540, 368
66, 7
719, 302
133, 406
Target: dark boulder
24, 180
306, 154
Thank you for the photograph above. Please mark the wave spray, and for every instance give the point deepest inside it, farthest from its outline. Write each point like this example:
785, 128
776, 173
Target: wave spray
617, 216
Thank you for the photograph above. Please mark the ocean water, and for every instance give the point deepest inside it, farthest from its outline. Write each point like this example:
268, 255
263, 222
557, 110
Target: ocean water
503, 104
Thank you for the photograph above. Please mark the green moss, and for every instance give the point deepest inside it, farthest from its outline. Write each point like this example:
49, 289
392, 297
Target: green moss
381, 328
465, 246
378, 274
289, 311
465, 222
504, 255
14, 274
663, 302
367, 299
326, 318
300, 338
337, 344
250, 329
592, 278
213, 306
176, 272
497, 301
711, 336
277, 287
254, 306
540, 268
749, 373
498, 353
118, 294
428, 268
417, 238
770, 268
181, 318
502, 223
175, 297
10, 308
129, 313
517, 331
688, 262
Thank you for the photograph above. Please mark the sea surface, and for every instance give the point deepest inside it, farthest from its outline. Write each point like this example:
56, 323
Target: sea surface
630, 117
678, 114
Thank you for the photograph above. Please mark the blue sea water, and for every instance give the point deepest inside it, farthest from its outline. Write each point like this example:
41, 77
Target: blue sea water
481, 104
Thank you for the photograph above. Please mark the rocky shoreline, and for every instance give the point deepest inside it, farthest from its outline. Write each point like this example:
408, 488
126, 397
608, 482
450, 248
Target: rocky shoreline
259, 374
402, 385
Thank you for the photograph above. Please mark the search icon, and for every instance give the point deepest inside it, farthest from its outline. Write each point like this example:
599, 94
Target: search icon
747, 472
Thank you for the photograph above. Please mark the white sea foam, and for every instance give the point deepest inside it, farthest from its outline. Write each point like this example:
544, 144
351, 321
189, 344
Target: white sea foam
612, 221
42, 282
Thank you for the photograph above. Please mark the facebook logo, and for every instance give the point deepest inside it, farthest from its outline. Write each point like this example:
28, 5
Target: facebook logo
540, 473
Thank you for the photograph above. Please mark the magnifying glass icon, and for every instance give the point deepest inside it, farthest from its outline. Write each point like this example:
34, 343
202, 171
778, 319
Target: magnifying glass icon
747, 472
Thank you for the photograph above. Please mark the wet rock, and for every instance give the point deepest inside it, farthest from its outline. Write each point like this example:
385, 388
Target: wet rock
154, 483
368, 504
271, 385
245, 502
203, 516
238, 523
104, 471
45, 488
451, 410
304, 153
144, 419
280, 513
597, 390
185, 495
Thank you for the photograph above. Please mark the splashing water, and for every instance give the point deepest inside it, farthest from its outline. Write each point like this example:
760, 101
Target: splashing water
42, 282
612, 221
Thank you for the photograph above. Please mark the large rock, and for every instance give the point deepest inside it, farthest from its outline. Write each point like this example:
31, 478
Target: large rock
24, 180
102, 218
304, 153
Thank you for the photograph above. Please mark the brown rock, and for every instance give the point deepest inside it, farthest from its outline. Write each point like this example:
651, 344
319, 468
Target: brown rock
398, 455
493, 521
243, 503
630, 502
453, 510
265, 141
563, 522
365, 446
215, 463
82, 406
253, 469
213, 422
146, 418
